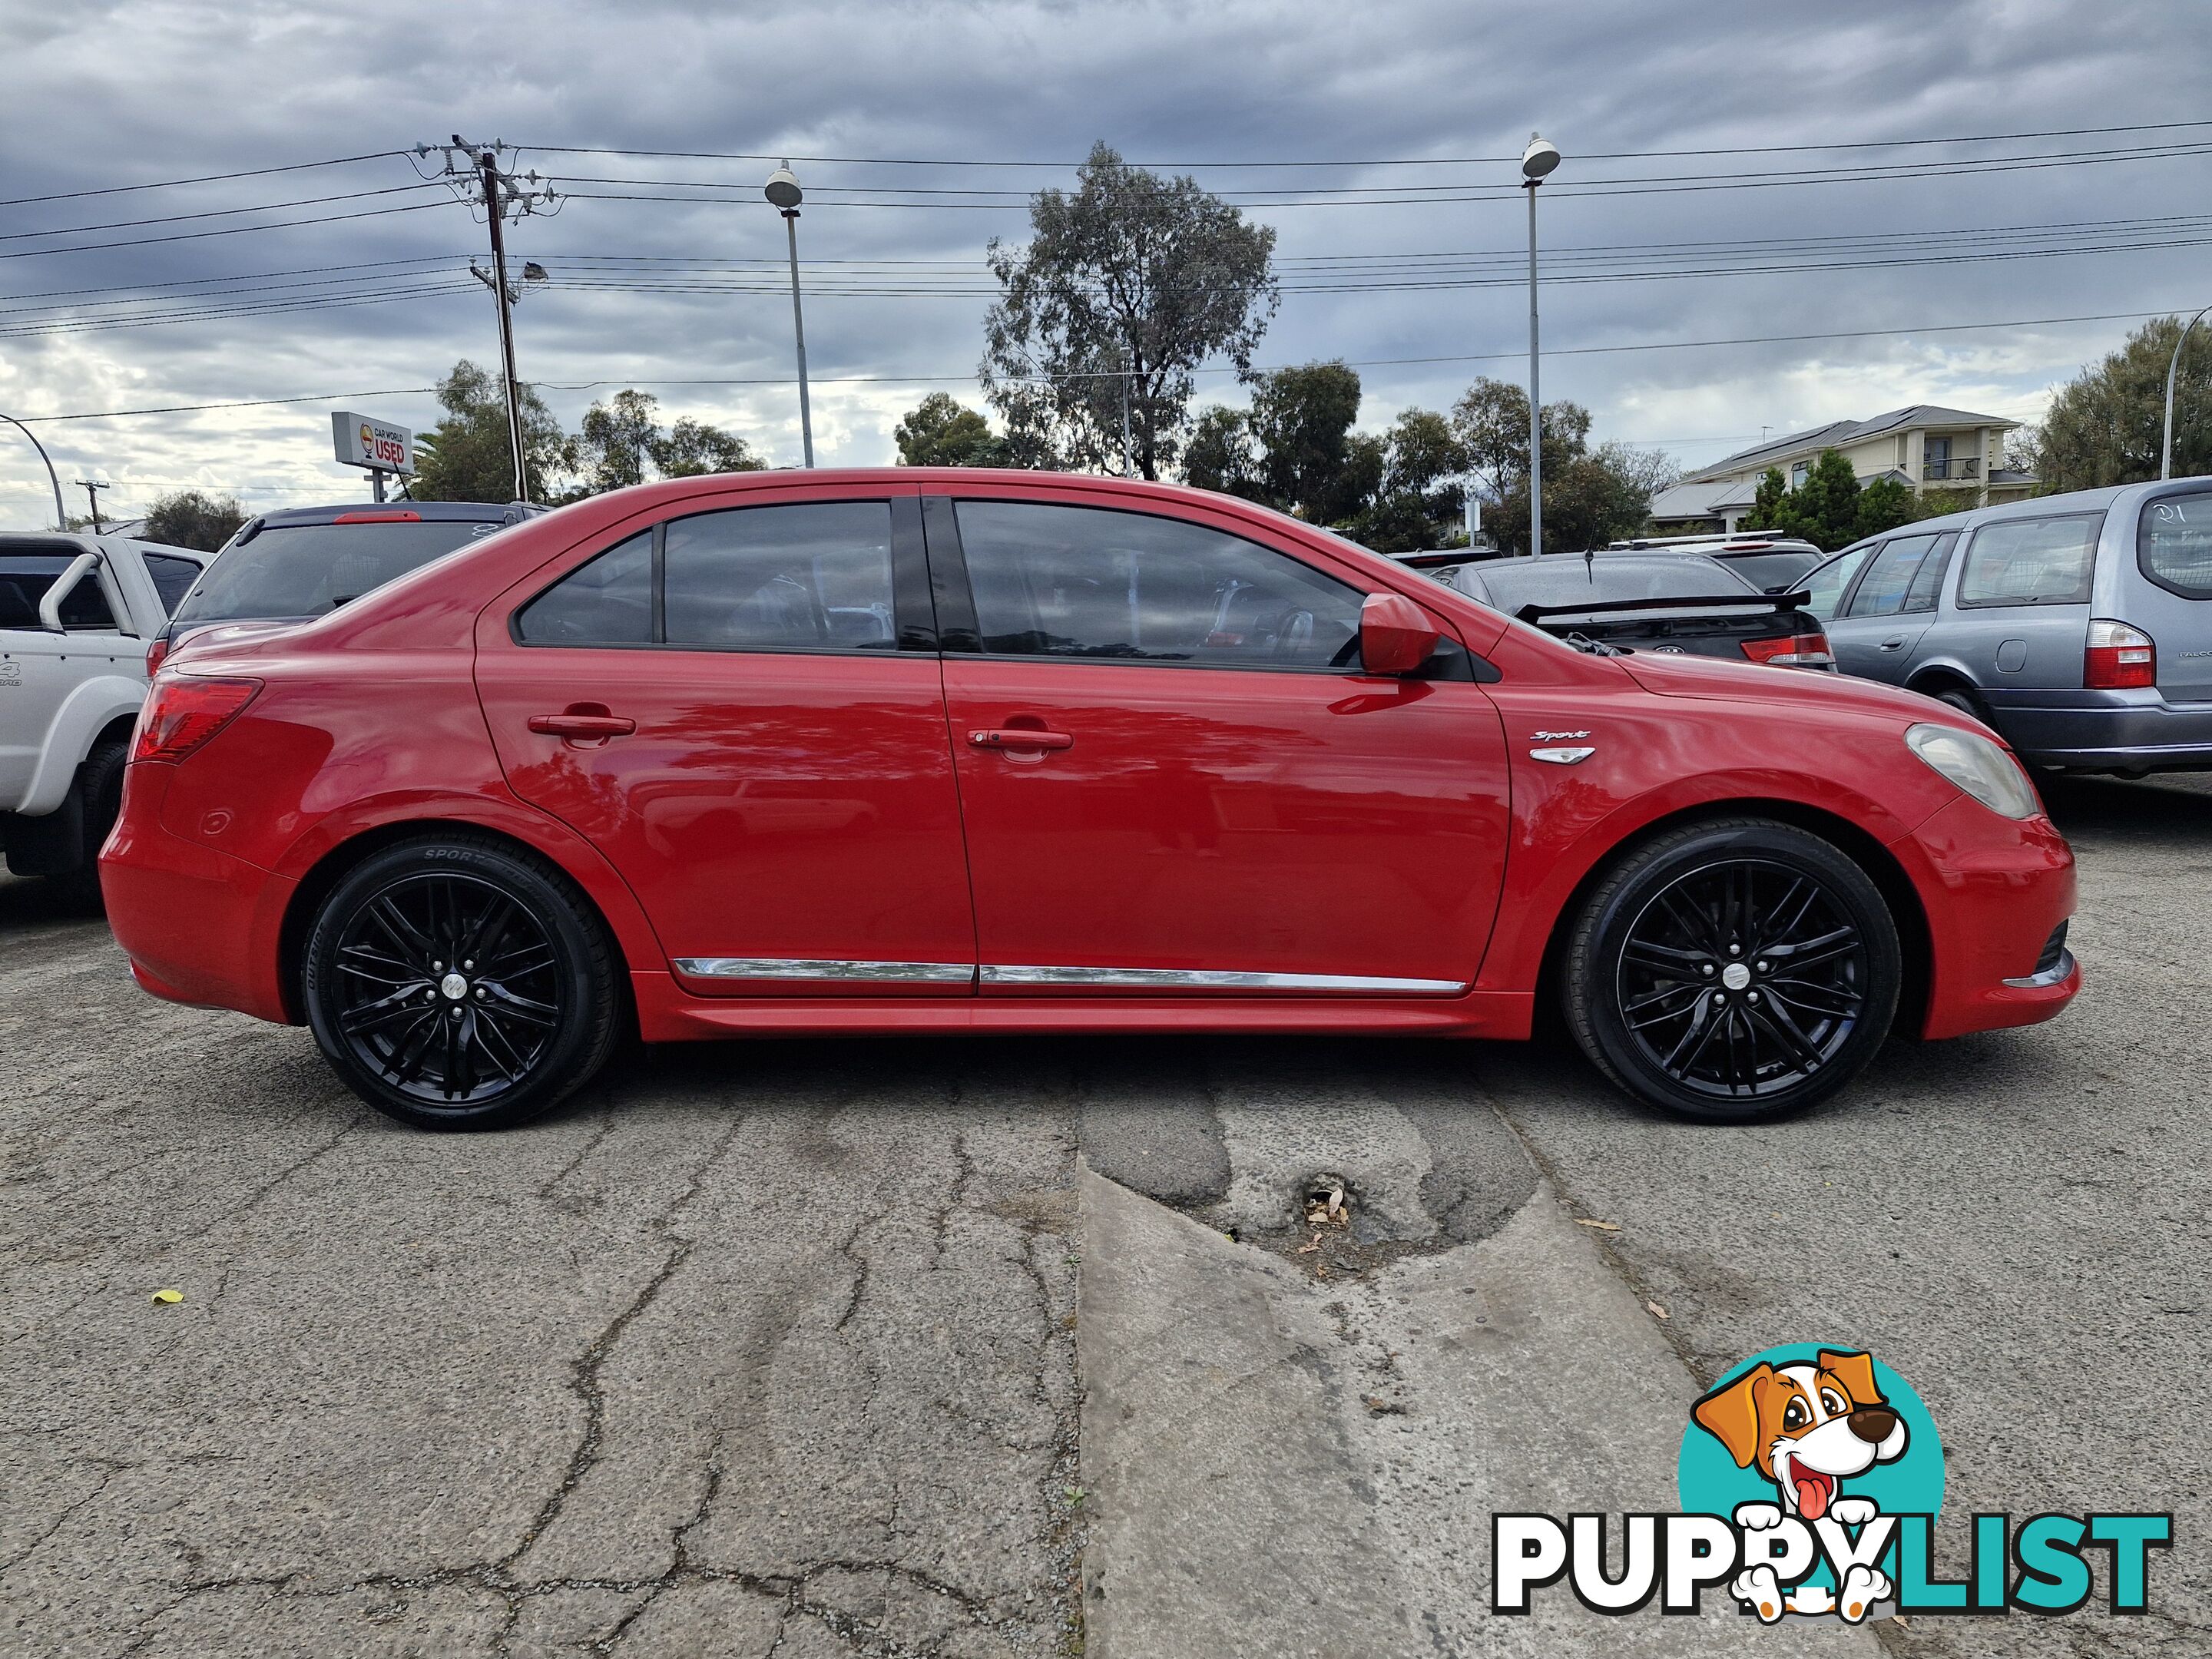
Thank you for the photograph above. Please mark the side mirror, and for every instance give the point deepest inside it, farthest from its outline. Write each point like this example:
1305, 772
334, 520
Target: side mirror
50, 603
1396, 636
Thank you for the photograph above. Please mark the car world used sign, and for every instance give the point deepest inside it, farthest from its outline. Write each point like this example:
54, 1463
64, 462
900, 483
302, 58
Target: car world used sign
363, 441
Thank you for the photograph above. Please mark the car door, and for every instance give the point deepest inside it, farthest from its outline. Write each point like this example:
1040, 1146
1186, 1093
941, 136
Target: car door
740, 706
1175, 777
1878, 630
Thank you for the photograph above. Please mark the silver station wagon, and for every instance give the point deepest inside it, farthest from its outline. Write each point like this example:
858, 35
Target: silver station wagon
2079, 626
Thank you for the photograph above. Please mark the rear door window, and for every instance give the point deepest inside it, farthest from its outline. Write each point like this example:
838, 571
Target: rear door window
2173, 546
1928, 580
2032, 561
173, 577
809, 577
1090, 582
1886, 587
606, 601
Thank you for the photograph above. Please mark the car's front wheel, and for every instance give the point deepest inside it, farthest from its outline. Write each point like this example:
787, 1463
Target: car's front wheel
1733, 970
457, 983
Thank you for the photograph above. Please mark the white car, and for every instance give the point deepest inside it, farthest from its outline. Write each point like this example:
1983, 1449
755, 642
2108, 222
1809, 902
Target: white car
77, 613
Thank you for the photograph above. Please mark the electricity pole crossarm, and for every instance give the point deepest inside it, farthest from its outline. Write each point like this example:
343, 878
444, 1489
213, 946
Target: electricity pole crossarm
474, 170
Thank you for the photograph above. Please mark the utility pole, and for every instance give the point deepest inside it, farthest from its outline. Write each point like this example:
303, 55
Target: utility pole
92, 488
474, 169
1129, 448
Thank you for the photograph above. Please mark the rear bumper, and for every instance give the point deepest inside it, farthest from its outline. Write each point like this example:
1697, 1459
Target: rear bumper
1995, 888
2106, 730
199, 926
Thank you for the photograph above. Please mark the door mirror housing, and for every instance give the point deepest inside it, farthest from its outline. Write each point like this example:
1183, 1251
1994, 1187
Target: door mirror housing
1396, 636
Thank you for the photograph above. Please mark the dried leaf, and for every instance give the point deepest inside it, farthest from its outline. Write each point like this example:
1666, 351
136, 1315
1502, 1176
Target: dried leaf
1601, 1226
168, 1298
1660, 1312
1309, 1249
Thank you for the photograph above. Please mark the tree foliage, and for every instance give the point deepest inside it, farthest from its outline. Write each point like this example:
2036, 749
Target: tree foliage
466, 456
193, 518
941, 431
1591, 496
1830, 509
620, 443
1128, 283
2106, 425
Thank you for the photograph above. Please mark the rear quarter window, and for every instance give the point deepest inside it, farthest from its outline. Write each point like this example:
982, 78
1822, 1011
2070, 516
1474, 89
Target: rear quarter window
2173, 544
2032, 561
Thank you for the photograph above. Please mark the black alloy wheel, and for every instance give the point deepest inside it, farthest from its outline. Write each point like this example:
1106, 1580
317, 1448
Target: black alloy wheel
1734, 971
457, 983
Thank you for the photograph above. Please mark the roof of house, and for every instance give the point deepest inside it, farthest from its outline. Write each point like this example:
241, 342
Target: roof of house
1837, 434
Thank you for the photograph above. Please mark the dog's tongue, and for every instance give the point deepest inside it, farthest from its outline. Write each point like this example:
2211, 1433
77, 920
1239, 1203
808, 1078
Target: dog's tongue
1812, 1496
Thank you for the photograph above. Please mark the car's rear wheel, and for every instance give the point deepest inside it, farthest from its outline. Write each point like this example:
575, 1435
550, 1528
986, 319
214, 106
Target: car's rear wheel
1733, 970
456, 983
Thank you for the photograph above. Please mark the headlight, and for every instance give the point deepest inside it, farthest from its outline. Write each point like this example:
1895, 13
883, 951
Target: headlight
1977, 766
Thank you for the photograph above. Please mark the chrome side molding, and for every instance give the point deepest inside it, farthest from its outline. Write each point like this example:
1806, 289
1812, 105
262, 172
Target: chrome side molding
900, 973
1214, 979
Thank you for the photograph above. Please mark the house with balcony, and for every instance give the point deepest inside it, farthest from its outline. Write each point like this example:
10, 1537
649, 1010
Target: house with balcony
1927, 446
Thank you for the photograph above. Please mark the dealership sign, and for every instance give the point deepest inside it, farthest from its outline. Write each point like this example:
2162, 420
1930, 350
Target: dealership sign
377, 444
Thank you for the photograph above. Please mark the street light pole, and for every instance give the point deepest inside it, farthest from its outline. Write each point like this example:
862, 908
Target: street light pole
784, 192
61, 512
488, 165
1537, 162
2165, 449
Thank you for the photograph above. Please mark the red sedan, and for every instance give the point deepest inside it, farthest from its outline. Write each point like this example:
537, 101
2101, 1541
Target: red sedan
910, 750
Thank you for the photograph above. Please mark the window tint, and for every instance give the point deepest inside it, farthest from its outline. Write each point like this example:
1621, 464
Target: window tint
1078, 581
1883, 589
24, 580
608, 601
172, 575
1826, 584
2173, 544
1927, 581
815, 577
1772, 573
2031, 562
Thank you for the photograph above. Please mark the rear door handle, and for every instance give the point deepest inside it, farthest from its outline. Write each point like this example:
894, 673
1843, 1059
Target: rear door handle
1015, 738
582, 725
1897, 644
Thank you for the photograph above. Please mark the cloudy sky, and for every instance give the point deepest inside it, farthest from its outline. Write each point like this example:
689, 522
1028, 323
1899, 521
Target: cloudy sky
1735, 174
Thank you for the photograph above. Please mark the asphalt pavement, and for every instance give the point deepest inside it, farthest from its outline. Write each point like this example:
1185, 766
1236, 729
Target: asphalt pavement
1028, 1347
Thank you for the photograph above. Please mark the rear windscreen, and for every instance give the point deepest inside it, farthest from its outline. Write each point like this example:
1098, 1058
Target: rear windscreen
1509, 585
1772, 573
305, 570
2173, 546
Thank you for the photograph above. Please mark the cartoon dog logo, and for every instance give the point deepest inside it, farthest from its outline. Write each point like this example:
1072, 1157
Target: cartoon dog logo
1808, 1428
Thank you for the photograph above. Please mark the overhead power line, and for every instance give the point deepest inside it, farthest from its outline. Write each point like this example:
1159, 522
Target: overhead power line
955, 379
203, 179
227, 230
216, 213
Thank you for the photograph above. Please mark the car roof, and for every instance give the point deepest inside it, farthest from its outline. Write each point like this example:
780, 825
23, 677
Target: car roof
447, 511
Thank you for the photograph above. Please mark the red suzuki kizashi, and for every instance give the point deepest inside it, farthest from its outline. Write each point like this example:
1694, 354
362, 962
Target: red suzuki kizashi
915, 749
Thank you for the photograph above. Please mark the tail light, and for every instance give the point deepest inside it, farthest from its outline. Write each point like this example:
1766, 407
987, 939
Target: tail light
1791, 651
2119, 658
156, 654
182, 713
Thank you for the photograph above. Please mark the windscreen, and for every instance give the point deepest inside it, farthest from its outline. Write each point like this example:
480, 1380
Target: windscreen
1510, 584
305, 570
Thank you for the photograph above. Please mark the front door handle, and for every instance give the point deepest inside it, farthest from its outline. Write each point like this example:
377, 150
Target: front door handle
577, 723
1020, 739
1897, 644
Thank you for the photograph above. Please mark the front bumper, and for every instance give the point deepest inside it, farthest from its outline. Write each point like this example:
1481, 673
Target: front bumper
1994, 889
2104, 731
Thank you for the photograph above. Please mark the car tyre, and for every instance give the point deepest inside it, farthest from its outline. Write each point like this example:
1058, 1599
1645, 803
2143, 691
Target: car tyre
1733, 970
456, 982
99, 786
1964, 701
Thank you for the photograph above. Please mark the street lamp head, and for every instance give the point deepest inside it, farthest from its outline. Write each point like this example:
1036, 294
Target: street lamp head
533, 271
1539, 159
783, 189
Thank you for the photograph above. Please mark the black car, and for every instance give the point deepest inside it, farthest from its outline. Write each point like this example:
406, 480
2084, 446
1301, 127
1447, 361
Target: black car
1772, 564
304, 560
1668, 602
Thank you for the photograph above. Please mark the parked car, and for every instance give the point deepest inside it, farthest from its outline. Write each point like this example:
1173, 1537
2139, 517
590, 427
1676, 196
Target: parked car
305, 560
2078, 626
75, 612
1772, 564
675, 760
1672, 603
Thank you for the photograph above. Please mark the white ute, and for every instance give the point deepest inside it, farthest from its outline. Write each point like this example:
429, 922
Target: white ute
76, 615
